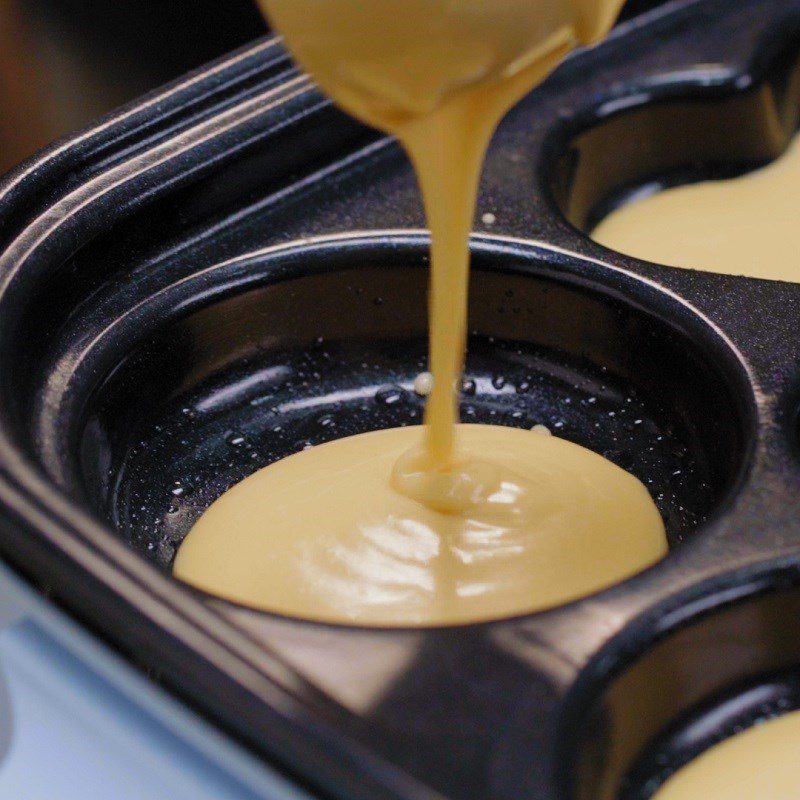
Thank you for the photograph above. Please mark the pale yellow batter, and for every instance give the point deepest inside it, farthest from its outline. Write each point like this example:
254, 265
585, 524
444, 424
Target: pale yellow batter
322, 534
454, 523
763, 763
741, 226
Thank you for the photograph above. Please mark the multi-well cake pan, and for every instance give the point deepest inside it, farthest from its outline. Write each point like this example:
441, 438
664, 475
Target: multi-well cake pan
231, 269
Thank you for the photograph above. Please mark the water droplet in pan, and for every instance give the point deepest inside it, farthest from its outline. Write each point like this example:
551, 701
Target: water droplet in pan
180, 489
390, 396
236, 439
468, 386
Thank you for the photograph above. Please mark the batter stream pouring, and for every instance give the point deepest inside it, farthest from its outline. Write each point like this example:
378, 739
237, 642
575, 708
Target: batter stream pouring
450, 523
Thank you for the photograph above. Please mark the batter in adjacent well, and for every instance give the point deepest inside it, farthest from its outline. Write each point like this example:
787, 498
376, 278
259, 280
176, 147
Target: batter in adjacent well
740, 226
760, 763
449, 523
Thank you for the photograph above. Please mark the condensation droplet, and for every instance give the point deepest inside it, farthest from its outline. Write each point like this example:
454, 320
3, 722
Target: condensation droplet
389, 396
180, 489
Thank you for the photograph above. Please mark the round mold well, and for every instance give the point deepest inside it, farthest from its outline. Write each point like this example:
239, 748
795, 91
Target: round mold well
150, 407
725, 668
674, 130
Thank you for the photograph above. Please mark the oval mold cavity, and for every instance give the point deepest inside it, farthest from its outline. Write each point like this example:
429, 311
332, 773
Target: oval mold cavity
189, 391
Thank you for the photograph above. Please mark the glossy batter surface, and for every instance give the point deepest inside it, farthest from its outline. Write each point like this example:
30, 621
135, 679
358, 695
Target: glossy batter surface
525, 521
741, 226
763, 762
